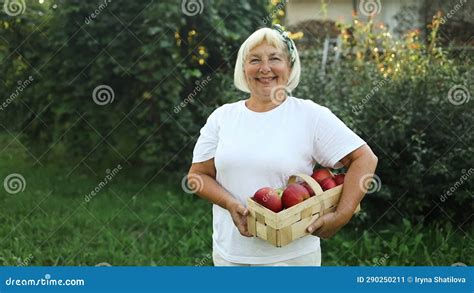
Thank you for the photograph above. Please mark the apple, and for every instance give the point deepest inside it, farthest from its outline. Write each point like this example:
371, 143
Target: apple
328, 183
293, 195
308, 188
269, 198
320, 174
339, 178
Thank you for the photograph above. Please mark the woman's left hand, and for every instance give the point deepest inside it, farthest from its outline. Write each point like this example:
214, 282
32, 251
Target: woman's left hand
359, 163
327, 225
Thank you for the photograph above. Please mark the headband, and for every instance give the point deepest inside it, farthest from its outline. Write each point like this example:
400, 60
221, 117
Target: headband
288, 41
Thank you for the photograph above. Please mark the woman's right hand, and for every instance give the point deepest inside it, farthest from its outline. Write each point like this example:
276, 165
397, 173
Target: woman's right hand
239, 216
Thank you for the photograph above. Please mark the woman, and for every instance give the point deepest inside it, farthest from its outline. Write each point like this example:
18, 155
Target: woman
263, 140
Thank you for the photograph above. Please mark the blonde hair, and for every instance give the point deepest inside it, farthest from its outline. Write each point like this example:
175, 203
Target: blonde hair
272, 38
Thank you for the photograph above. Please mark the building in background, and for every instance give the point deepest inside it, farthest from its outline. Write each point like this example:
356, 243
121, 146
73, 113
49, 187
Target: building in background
344, 10
317, 18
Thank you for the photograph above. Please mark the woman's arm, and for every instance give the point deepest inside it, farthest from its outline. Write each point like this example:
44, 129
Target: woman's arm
203, 178
361, 165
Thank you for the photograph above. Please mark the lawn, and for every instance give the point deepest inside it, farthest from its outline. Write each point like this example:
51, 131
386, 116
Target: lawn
146, 222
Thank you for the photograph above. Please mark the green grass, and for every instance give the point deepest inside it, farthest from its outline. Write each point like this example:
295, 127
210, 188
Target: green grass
141, 222
126, 223
401, 244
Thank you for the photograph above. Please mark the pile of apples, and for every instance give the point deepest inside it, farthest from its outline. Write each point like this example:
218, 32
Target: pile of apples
279, 199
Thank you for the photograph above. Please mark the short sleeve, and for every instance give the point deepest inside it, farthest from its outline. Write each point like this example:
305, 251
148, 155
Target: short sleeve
333, 140
206, 145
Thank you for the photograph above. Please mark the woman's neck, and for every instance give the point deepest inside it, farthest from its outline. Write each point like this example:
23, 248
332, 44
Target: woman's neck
262, 104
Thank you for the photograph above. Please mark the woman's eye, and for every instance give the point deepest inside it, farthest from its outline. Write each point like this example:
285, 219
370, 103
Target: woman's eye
254, 61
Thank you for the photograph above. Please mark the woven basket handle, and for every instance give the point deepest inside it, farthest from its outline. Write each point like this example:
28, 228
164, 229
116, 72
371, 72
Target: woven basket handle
314, 185
309, 180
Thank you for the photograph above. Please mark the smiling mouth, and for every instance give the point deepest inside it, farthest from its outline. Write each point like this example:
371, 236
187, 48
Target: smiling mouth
266, 80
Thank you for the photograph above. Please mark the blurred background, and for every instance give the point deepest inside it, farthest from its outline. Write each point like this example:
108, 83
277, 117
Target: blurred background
102, 102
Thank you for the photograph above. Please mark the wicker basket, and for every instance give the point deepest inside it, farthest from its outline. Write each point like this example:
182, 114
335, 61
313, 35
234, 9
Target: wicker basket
281, 228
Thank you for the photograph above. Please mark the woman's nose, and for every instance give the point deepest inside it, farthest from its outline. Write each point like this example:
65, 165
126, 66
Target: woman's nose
265, 67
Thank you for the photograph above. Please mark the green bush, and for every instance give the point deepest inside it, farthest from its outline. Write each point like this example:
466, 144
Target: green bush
410, 102
154, 57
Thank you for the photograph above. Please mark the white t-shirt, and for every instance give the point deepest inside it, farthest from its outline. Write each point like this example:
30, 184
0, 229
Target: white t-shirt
252, 150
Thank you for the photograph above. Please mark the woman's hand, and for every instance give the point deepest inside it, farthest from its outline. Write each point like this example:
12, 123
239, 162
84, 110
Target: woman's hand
205, 174
239, 216
327, 225
360, 165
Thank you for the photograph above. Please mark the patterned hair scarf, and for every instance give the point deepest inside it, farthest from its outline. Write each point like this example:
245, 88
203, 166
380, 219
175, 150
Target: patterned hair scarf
288, 41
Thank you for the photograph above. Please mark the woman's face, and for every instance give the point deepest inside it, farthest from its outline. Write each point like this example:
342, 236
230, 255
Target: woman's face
265, 68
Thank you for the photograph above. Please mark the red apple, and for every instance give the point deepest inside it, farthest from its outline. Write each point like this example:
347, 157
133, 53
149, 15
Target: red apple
328, 183
308, 188
293, 195
320, 174
269, 198
339, 178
